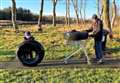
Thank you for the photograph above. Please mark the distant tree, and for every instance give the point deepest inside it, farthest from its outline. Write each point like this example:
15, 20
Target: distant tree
20, 14
67, 12
84, 9
24, 14
40, 16
81, 7
13, 9
54, 12
75, 4
5, 14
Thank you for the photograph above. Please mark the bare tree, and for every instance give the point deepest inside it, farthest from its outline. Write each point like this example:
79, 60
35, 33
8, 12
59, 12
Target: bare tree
68, 12
13, 11
81, 7
113, 13
54, 12
75, 4
84, 10
105, 15
40, 16
98, 8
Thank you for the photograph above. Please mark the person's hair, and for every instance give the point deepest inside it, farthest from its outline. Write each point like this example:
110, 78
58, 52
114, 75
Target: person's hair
94, 16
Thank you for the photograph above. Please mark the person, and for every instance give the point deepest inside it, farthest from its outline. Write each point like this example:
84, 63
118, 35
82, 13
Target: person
28, 36
97, 33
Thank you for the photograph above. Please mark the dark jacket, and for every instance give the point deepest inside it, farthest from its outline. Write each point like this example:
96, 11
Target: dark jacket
105, 32
97, 30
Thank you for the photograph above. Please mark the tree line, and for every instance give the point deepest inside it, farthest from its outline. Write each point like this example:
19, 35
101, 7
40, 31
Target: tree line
26, 15
21, 14
103, 12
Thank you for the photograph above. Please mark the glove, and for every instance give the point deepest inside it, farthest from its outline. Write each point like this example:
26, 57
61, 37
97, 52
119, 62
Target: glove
91, 35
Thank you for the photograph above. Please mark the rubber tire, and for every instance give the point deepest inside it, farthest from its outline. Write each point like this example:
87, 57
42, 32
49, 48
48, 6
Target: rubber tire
34, 46
76, 36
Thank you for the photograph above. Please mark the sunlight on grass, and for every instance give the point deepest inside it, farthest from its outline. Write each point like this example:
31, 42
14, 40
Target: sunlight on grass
50, 37
53, 41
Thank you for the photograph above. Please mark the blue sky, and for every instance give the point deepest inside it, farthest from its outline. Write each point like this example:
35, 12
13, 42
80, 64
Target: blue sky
34, 6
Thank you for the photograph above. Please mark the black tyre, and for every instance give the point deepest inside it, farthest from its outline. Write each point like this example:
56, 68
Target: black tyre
76, 36
30, 53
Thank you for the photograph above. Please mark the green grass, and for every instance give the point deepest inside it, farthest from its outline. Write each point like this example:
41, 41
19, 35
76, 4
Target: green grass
61, 76
9, 41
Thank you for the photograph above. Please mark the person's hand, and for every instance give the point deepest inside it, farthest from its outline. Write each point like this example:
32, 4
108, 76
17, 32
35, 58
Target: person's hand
90, 34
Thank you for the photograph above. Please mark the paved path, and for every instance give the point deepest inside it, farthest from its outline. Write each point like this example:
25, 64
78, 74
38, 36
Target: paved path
45, 64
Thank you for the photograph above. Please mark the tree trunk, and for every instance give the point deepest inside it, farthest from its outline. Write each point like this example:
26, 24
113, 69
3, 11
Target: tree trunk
13, 11
105, 15
54, 12
68, 12
67, 17
81, 6
75, 4
98, 8
40, 16
113, 13
84, 10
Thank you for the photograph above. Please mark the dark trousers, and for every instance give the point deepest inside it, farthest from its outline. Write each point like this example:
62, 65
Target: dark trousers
98, 49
